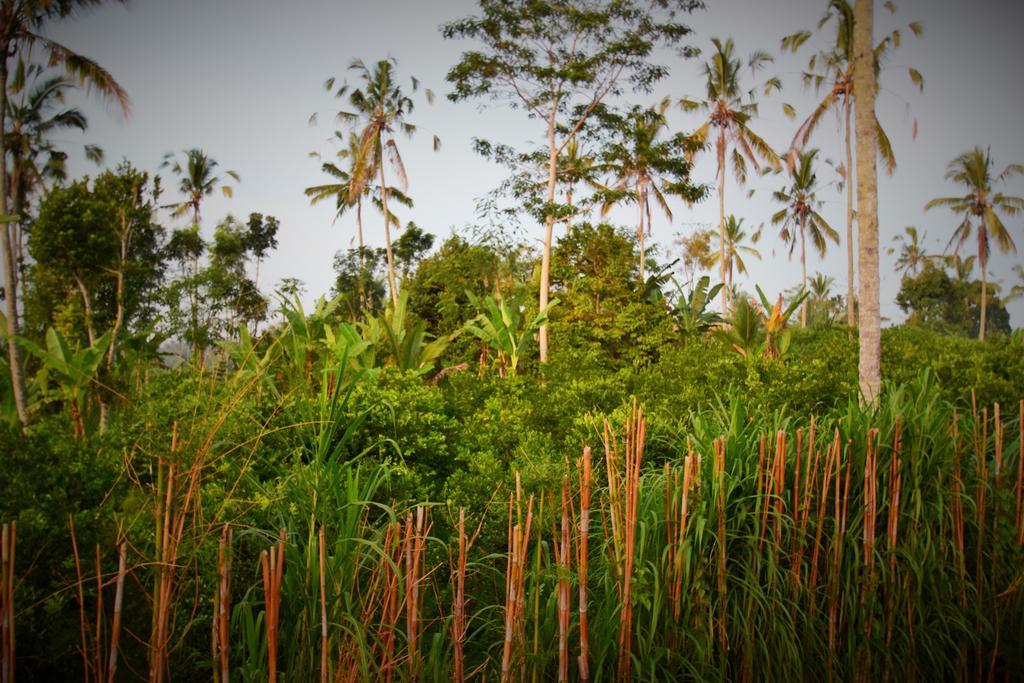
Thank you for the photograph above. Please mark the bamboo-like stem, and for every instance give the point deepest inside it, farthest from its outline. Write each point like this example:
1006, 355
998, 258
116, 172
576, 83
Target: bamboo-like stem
98, 632
719, 450
459, 611
582, 557
115, 625
223, 601
324, 667
79, 584
562, 553
272, 564
7, 543
518, 542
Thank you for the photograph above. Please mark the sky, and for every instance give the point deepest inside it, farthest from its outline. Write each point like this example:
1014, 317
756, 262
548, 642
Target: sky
241, 78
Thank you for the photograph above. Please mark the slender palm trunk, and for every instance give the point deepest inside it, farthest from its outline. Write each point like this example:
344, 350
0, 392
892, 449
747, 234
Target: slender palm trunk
721, 217
119, 298
10, 280
984, 289
870, 365
849, 216
568, 216
387, 227
803, 270
363, 303
642, 201
545, 259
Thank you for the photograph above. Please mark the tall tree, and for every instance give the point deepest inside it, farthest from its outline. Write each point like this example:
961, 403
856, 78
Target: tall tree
379, 107
800, 217
735, 247
730, 109
865, 84
911, 256
576, 167
558, 61
980, 208
831, 70
197, 180
645, 161
22, 23
352, 184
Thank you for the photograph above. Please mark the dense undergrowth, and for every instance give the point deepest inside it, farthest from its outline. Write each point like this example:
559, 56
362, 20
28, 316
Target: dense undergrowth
798, 555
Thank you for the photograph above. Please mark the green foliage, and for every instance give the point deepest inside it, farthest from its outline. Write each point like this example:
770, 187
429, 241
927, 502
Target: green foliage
691, 314
502, 328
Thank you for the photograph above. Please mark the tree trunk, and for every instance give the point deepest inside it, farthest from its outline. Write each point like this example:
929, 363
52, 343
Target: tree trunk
803, 270
984, 295
122, 263
870, 366
387, 227
10, 281
641, 200
721, 218
545, 259
849, 217
87, 306
568, 216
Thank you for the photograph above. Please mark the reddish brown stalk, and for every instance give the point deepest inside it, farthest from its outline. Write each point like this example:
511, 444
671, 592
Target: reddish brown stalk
272, 564
98, 632
689, 471
562, 553
719, 448
115, 626
519, 539
831, 458
870, 517
459, 614
796, 476
7, 543
414, 547
324, 668
623, 499
980, 496
895, 481
582, 555
222, 633
779, 483
389, 606
86, 664
997, 457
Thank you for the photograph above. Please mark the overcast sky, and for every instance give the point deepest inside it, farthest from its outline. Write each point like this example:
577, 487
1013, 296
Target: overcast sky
240, 79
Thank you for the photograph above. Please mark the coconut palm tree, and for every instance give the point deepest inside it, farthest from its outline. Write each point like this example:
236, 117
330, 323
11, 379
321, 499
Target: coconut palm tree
799, 218
575, 167
378, 109
912, 255
347, 197
831, 71
735, 236
730, 109
35, 111
980, 208
646, 164
196, 181
21, 30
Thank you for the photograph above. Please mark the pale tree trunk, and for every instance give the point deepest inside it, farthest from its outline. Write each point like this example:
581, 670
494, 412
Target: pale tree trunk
122, 263
721, 218
545, 259
849, 217
87, 306
803, 270
870, 366
387, 227
641, 200
984, 292
363, 302
10, 280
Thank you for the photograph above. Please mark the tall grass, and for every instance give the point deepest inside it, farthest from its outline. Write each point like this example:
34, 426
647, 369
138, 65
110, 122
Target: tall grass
874, 544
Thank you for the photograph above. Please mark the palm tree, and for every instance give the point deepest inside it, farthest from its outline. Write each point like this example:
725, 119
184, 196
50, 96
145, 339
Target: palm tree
20, 31
799, 218
645, 165
865, 85
730, 110
979, 207
35, 110
575, 167
378, 109
196, 181
346, 196
912, 255
831, 70
734, 250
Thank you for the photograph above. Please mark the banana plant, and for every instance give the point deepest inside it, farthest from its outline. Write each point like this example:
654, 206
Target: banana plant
775, 321
67, 375
501, 327
304, 334
691, 315
403, 342
744, 331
